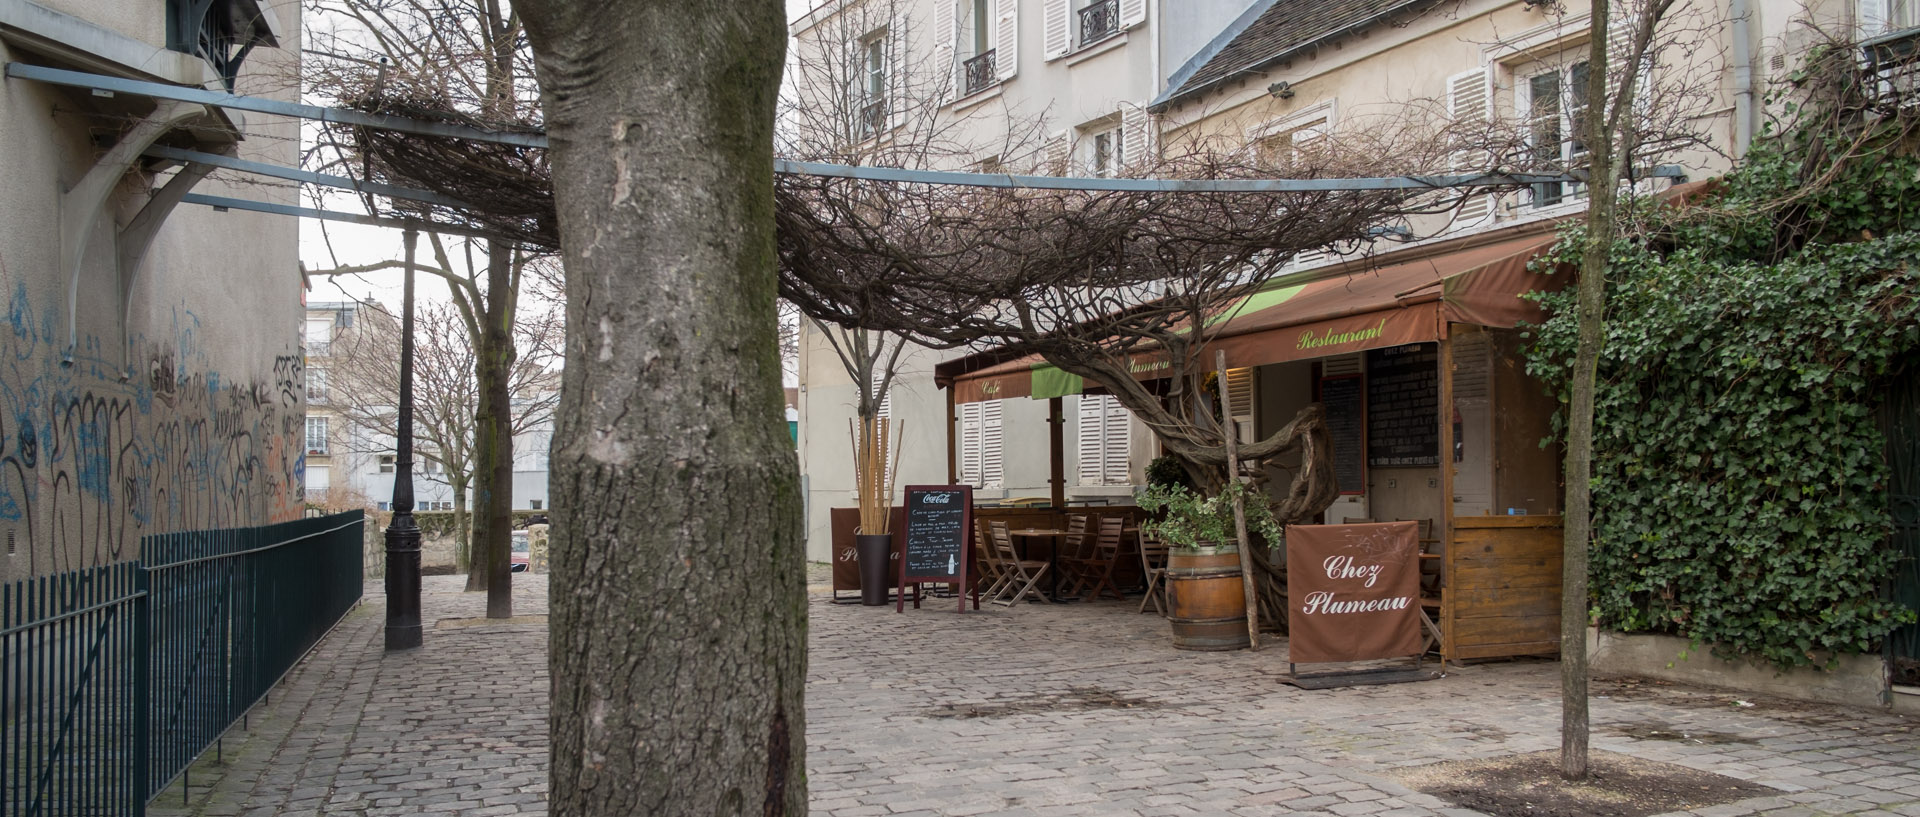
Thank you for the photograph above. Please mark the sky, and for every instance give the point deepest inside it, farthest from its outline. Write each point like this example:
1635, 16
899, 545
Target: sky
327, 245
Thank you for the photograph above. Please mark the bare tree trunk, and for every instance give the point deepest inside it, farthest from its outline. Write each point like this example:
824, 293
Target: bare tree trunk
1602, 192
493, 436
679, 651
462, 526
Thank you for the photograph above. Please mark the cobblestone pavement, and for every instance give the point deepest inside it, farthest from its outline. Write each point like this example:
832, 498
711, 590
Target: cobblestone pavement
1034, 710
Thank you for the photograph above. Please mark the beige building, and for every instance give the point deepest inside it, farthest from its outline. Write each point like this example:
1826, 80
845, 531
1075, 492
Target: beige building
153, 379
1034, 83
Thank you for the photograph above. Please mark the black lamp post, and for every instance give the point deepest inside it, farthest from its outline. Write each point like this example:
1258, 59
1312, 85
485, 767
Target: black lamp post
403, 535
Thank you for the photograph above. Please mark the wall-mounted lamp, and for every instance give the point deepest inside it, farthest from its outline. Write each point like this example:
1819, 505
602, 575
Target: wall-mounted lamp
1281, 90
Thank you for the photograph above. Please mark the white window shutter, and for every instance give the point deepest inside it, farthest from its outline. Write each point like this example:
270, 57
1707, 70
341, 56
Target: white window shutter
1873, 17
1137, 133
896, 83
1104, 441
1119, 443
1470, 102
1132, 13
886, 398
1240, 402
970, 444
945, 33
1059, 154
1059, 28
991, 473
1091, 439
1006, 38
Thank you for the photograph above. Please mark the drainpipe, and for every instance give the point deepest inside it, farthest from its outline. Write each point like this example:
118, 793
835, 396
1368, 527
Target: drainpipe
1741, 14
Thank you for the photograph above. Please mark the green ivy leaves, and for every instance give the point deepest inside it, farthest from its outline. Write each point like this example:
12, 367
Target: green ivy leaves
1739, 482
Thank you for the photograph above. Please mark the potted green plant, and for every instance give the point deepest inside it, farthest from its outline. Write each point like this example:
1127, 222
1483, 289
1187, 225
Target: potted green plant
1205, 600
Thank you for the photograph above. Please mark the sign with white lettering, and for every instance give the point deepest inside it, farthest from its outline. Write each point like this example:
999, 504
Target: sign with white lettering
939, 518
1355, 591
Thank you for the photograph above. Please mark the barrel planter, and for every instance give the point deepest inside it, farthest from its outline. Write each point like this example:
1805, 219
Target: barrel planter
1205, 601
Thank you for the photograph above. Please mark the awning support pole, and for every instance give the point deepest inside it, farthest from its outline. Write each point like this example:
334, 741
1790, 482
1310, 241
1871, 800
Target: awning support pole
953, 453
1445, 534
1057, 443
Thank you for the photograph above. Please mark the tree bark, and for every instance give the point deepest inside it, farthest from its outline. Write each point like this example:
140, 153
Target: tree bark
679, 653
1602, 192
493, 437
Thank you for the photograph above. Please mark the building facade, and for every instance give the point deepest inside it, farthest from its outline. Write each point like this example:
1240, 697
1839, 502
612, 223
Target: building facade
153, 381
352, 465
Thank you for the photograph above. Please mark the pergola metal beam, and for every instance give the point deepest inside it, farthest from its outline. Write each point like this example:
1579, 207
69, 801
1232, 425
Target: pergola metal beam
307, 176
222, 99
224, 202
159, 90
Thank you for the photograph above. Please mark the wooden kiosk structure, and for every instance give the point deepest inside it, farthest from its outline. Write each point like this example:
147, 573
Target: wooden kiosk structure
1415, 356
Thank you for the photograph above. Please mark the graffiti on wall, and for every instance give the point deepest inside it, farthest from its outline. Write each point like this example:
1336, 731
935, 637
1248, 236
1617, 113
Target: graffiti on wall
93, 456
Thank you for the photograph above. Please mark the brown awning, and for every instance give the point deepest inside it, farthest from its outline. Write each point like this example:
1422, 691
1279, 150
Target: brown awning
1404, 297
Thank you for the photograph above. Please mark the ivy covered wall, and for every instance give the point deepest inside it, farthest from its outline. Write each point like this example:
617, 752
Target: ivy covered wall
1739, 475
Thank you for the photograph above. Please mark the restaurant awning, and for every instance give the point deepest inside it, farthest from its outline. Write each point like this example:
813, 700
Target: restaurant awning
1403, 297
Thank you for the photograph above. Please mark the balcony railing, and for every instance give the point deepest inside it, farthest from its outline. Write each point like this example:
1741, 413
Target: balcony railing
979, 72
1892, 65
1099, 21
873, 119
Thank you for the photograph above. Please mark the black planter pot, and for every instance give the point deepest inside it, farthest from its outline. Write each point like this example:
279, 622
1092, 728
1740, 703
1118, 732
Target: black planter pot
873, 550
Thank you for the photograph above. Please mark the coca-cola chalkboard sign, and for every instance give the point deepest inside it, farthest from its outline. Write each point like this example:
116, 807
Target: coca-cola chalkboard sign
935, 545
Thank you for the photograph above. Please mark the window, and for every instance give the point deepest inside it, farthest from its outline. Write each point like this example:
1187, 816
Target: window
978, 72
980, 444
316, 385
319, 479
1106, 152
534, 503
872, 97
386, 463
1554, 102
319, 335
1879, 17
1104, 441
316, 435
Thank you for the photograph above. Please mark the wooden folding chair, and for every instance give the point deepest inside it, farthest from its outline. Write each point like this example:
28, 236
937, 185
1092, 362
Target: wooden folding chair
1023, 575
1153, 565
988, 574
1094, 574
1432, 586
1075, 547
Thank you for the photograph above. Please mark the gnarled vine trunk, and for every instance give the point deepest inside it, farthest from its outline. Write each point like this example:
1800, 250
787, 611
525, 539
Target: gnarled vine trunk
679, 610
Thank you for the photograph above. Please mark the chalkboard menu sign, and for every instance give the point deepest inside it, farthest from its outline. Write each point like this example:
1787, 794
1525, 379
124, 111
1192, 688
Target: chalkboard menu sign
935, 547
1403, 406
1346, 423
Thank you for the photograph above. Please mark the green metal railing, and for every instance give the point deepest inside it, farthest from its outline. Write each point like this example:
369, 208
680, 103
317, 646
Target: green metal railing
70, 688
113, 680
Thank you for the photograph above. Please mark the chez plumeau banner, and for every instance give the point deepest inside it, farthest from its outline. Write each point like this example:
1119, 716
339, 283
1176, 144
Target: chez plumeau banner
1355, 591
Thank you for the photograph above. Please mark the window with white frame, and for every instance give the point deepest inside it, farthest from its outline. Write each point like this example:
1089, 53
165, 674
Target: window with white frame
980, 463
386, 463
1105, 441
1553, 99
316, 385
1879, 17
874, 63
316, 435
1105, 149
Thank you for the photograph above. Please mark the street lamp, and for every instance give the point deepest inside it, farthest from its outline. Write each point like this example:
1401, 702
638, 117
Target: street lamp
403, 535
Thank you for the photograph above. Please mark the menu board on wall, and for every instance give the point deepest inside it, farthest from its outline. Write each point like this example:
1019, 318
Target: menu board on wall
1403, 406
1346, 424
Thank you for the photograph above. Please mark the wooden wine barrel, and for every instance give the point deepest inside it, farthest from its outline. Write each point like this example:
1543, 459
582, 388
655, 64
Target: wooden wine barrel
1205, 602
